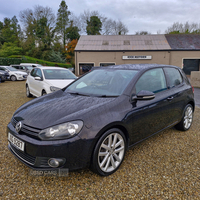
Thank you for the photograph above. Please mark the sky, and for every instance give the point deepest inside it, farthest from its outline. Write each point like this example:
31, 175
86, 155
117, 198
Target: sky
138, 15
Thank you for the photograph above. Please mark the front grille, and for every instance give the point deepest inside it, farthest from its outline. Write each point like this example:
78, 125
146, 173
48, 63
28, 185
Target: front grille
27, 130
23, 156
13, 122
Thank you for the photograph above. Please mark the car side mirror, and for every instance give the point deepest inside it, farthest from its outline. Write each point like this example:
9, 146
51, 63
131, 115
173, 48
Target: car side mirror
37, 78
143, 95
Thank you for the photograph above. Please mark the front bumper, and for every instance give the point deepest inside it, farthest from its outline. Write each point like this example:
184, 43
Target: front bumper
3, 77
21, 77
75, 151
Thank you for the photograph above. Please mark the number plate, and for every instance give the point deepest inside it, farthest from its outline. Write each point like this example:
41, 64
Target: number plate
16, 142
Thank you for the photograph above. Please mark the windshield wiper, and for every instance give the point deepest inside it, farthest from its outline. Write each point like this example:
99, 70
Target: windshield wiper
109, 96
76, 93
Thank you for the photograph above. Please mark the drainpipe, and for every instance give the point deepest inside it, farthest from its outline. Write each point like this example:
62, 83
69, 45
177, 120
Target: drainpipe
169, 57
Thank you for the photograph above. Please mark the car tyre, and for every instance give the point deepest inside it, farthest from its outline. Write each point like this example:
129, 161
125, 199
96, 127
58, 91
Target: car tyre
109, 152
28, 94
44, 92
187, 119
13, 78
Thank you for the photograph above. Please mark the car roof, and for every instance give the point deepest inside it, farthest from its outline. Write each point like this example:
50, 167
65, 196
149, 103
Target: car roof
48, 67
138, 67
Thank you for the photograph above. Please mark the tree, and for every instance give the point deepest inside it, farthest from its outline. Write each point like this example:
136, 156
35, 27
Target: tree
9, 49
10, 31
94, 26
142, 33
70, 51
109, 26
72, 32
178, 28
62, 21
39, 27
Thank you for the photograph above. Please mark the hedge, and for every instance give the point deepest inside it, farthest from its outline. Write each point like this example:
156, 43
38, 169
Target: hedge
26, 59
10, 61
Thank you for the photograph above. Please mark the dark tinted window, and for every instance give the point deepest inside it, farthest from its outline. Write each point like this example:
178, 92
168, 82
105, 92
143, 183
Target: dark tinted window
152, 80
173, 76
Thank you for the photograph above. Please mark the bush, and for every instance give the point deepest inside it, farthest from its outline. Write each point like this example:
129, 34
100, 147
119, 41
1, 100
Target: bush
10, 61
27, 59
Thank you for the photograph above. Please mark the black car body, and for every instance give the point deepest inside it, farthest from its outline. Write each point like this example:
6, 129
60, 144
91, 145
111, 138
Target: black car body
4, 76
136, 106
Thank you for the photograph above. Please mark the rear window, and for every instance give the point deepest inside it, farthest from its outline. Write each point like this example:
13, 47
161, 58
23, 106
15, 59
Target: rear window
174, 77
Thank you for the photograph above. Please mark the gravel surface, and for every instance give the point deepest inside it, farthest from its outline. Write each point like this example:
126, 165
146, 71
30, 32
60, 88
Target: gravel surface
166, 166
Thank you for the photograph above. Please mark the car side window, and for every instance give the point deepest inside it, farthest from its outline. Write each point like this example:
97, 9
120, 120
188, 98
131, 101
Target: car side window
174, 77
153, 80
33, 72
38, 73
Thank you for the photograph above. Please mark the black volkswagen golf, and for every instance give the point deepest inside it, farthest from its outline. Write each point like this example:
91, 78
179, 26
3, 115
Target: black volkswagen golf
95, 119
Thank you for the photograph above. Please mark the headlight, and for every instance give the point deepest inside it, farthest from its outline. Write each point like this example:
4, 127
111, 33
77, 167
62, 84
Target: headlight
53, 89
61, 131
1, 73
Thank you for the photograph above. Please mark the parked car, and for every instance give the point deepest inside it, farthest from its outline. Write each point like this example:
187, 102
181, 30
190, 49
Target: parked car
31, 64
95, 119
23, 68
44, 80
14, 73
4, 76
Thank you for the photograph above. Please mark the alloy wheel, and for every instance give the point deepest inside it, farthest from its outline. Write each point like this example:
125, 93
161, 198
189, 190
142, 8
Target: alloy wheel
111, 152
188, 117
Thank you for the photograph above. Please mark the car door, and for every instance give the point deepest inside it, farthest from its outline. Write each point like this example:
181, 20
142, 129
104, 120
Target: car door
176, 93
33, 84
38, 84
149, 116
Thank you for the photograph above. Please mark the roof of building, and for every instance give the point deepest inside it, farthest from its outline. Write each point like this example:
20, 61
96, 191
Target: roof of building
138, 42
184, 41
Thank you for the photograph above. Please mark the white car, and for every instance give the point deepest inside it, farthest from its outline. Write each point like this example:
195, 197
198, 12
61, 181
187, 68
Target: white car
45, 80
31, 64
14, 73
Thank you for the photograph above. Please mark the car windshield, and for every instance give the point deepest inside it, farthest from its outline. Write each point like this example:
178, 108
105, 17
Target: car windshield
58, 74
102, 82
29, 67
11, 69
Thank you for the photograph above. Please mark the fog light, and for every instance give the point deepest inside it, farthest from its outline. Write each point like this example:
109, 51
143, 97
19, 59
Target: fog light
53, 162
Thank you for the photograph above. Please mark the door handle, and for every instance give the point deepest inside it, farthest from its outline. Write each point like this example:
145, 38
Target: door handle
170, 98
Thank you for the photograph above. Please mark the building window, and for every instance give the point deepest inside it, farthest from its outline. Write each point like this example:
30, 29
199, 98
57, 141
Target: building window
106, 64
85, 67
190, 65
